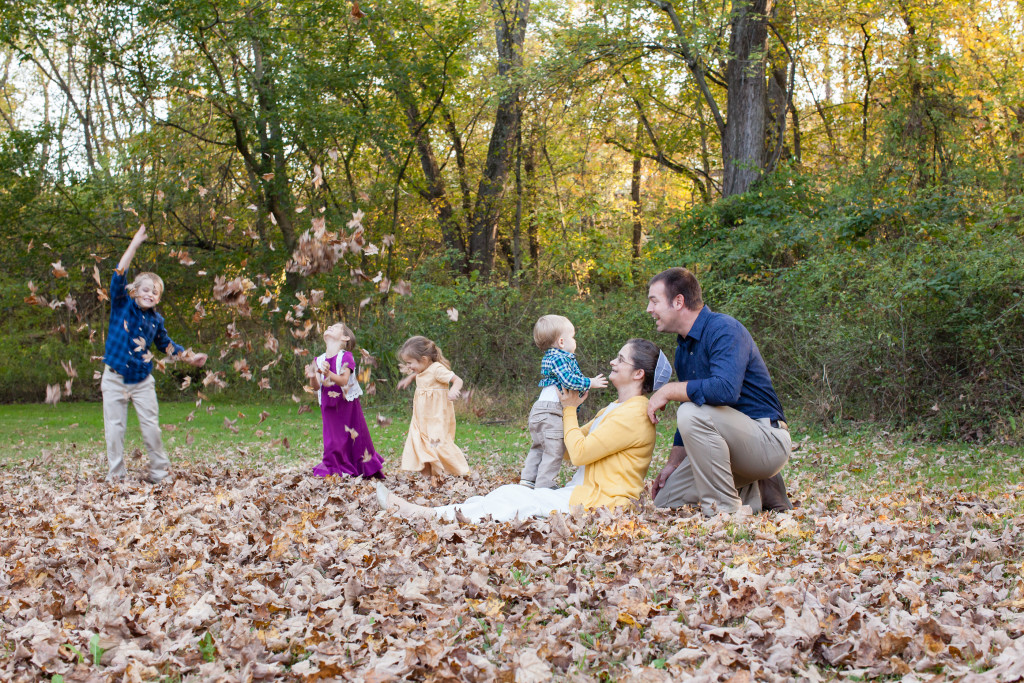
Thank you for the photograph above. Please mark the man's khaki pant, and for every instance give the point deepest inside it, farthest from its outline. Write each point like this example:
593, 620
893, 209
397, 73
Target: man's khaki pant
116, 395
727, 454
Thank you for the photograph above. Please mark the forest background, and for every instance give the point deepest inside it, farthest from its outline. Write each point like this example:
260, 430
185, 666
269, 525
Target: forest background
844, 176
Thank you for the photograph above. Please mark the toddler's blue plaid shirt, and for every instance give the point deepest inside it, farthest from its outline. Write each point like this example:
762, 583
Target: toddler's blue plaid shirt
132, 331
559, 368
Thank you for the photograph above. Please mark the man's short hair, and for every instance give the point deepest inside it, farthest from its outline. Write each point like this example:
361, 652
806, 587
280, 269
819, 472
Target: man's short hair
548, 329
680, 281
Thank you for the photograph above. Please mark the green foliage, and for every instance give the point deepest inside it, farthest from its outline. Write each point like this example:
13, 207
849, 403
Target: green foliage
95, 650
491, 344
893, 306
207, 647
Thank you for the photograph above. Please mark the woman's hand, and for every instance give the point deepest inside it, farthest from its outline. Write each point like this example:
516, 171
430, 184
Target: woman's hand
571, 397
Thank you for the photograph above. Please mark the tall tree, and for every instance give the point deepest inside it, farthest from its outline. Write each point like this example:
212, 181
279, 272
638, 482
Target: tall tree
743, 127
510, 17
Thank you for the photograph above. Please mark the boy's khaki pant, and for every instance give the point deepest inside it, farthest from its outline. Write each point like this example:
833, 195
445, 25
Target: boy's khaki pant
116, 395
727, 453
548, 447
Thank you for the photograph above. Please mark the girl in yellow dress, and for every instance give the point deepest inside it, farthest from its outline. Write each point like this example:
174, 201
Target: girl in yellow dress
430, 446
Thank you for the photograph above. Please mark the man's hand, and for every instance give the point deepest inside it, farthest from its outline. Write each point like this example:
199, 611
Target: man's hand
571, 397
599, 382
656, 404
675, 457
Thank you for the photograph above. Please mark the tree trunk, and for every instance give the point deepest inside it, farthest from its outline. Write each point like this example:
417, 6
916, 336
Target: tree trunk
517, 254
530, 170
435, 192
744, 140
510, 30
634, 192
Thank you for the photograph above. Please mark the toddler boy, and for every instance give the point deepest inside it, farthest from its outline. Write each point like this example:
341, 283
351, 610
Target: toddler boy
559, 371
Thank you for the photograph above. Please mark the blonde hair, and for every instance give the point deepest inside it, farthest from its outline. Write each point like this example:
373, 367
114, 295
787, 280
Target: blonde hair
157, 281
421, 347
548, 329
346, 331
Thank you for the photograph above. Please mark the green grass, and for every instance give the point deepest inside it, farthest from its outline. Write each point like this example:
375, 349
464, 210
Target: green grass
861, 462
36, 431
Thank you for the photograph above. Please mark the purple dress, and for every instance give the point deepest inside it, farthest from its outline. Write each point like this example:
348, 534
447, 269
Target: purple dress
348, 449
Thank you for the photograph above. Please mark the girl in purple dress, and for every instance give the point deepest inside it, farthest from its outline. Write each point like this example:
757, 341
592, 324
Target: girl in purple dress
348, 449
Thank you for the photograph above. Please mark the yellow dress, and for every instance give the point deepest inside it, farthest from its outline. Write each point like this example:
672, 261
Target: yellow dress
430, 444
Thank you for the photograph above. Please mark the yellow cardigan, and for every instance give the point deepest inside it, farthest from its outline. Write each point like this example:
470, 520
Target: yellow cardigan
617, 454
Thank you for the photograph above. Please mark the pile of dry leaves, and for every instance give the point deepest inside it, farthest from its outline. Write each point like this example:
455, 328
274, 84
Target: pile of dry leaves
246, 574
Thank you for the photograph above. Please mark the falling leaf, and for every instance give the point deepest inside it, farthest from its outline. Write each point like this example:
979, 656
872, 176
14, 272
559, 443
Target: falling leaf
234, 293
186, 382
453, 314
52, 394
263, 416
58, 270
69, 368
383, 420
214, 378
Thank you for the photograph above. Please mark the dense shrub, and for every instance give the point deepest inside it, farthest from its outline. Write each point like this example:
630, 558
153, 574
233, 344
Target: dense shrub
895, 307
869, 301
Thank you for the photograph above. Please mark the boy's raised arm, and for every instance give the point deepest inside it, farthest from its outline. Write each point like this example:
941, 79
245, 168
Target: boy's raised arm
129, 253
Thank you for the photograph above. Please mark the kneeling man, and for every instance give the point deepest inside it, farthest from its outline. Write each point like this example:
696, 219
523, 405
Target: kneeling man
732, 439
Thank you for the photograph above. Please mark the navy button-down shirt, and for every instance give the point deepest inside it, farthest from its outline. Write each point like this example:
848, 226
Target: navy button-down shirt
132, 331
722, 366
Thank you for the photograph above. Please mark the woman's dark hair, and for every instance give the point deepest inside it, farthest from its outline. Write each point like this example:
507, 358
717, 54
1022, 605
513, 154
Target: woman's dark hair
644, 357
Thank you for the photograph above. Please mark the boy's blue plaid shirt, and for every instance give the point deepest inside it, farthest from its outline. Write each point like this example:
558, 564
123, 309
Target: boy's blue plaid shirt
559, 368
132, 331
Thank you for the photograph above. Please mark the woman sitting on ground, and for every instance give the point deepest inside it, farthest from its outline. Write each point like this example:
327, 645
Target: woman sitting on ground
613, 451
